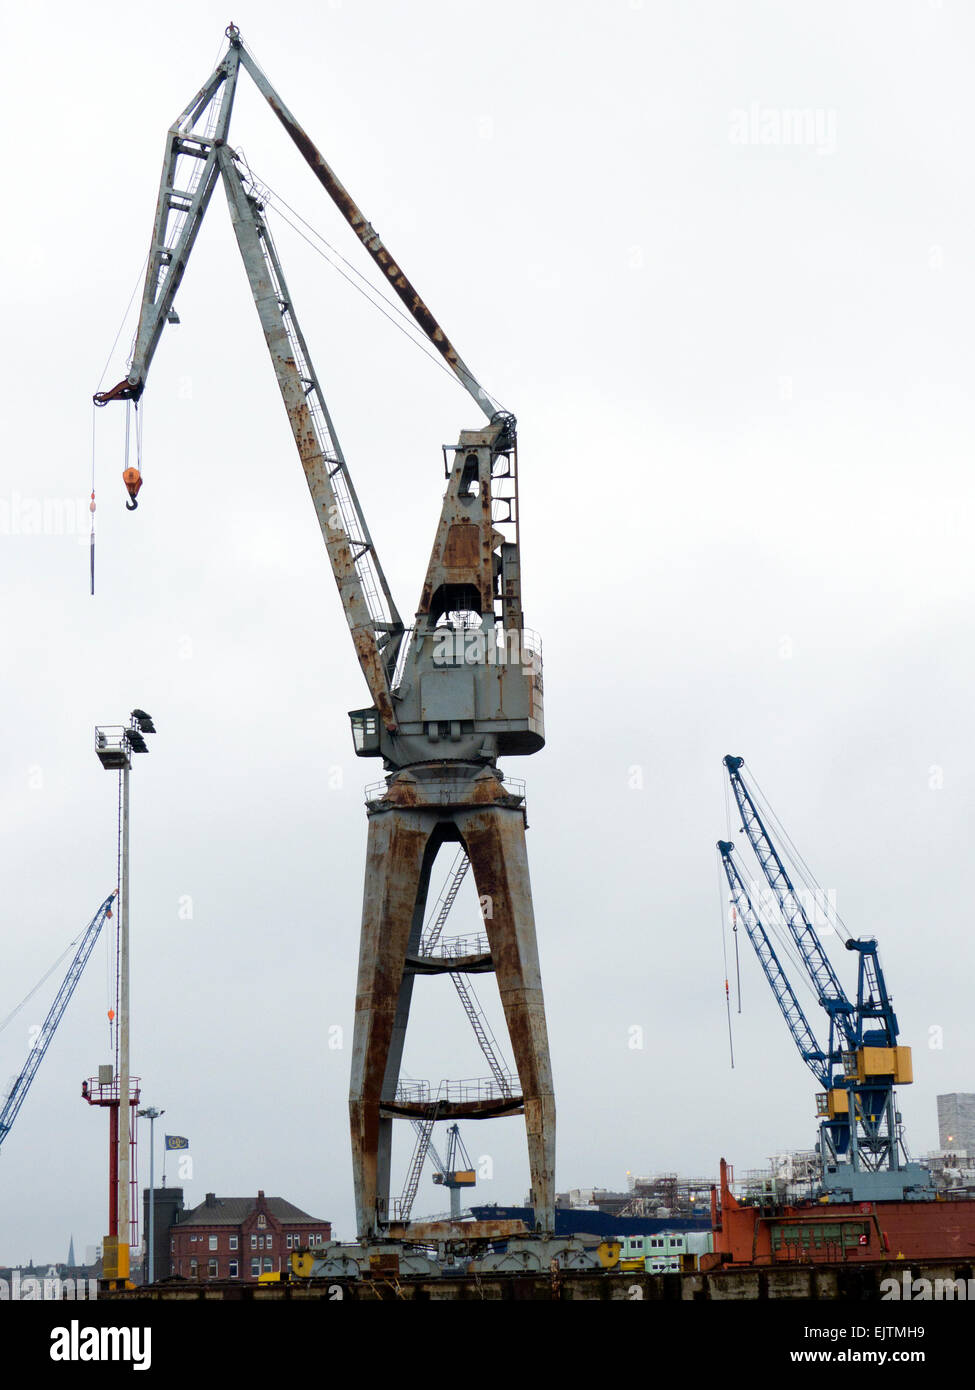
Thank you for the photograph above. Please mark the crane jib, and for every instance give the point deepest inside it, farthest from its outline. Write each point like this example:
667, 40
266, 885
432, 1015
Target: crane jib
42, 1041
831, 994
818, 1062
196, 159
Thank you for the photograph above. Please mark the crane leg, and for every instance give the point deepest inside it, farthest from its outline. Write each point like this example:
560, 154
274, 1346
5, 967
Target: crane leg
397, 875
495, 841
404, 838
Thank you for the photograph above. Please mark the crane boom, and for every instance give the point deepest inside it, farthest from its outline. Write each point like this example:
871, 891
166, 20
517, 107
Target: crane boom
191, 159
829, 991
376, 627
367, 234
197, 155
41, 1043
198, 159
179, 213
809, 1049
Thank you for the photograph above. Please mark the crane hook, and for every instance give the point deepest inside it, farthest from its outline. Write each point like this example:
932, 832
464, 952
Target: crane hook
132, 479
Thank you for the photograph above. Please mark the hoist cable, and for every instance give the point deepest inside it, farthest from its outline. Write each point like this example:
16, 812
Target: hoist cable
805, 874
108, 362
135, 290
91, 504
44, 978
724, 953
417, 342
773, 920
396, 307
387, 307
391, 303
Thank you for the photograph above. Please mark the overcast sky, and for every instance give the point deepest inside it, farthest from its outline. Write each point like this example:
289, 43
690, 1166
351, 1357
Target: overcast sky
739, 348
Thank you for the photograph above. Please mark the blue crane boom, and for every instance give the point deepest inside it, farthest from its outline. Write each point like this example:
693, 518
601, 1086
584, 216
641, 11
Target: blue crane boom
809, 1049
54, 1015
860, 1139
829, 991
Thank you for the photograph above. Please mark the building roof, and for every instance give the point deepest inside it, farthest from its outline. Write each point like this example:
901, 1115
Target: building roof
234, 1211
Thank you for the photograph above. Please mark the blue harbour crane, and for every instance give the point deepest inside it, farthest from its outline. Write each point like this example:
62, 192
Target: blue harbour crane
456, 1171
860, 1139
42, 1042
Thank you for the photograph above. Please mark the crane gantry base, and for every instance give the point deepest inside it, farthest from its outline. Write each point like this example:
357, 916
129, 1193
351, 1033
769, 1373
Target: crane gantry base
423, 808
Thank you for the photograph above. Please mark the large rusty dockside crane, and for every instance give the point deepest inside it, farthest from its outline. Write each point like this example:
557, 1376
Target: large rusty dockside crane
450, 695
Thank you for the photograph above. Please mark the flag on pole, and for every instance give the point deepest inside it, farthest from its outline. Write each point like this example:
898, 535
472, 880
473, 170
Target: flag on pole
176, 1141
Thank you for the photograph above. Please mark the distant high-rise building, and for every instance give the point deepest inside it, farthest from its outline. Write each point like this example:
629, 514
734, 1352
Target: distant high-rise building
71, 1253
956, 1122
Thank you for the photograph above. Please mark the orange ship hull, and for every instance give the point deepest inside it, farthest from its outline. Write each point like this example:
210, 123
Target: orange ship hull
835, 1232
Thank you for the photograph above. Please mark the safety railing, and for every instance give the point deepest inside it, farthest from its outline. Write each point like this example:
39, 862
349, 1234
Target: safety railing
450, 947
471, 1089
442, 793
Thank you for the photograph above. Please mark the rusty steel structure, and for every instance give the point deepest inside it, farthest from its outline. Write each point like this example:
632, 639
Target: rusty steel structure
450, 695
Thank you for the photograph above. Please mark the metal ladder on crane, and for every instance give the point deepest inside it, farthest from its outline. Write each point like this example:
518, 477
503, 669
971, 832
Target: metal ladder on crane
424, 1134
444, 903
478, 1021
482, 1031
465, 990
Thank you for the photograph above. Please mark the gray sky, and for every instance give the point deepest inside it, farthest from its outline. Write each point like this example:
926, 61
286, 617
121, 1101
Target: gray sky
739, 349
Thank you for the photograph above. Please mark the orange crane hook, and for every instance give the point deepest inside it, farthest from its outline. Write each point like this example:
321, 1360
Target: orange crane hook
132, 479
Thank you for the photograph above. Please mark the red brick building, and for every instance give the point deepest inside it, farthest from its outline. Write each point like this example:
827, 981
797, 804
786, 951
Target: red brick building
241, 1237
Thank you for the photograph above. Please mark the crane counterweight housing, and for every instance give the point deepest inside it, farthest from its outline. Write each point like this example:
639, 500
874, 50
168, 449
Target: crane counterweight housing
470, 684
449, 696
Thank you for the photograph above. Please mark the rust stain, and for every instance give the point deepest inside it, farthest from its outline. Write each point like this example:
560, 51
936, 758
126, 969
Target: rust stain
486, 791
461, 549
500, 1229
369, 237
403, 794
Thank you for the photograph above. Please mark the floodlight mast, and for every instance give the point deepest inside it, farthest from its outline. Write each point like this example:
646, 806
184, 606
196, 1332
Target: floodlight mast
114, 748
450, 696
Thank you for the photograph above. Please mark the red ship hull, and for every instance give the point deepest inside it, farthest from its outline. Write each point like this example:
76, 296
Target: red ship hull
747, 1236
